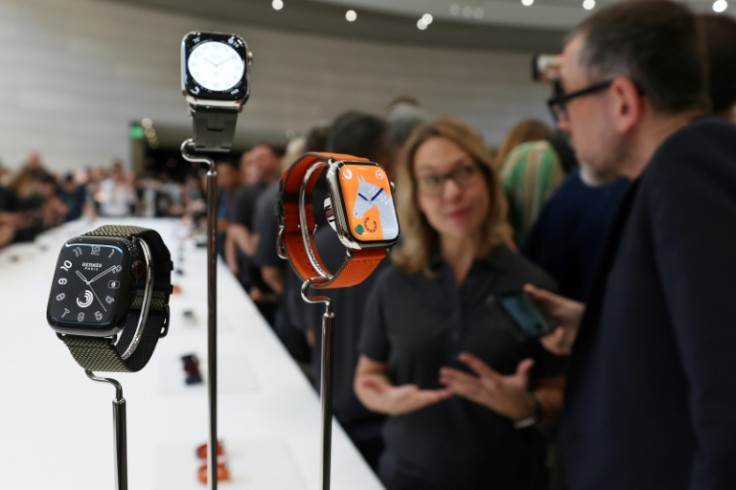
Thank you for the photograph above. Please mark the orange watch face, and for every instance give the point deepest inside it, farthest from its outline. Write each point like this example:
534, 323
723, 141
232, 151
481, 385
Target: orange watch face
369, 203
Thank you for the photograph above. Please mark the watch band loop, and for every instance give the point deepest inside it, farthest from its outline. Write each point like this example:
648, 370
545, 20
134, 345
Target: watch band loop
214, 128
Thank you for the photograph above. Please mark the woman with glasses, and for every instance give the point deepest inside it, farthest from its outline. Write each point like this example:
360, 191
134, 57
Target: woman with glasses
437, 355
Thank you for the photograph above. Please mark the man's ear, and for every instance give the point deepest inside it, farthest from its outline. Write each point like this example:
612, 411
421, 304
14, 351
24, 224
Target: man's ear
627, 104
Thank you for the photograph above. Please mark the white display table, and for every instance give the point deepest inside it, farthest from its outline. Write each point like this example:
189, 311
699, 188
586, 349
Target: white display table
56, 424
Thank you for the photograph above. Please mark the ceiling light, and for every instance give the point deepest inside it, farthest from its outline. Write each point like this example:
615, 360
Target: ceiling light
527, 3
277, 4
351, 15
146, 122
589, 4
427, 18
720, 6
478, 13
421, 25
455, 9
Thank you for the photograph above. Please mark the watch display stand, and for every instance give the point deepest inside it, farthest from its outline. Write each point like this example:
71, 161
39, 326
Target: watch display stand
187, 147
328, 317
325, 392
119, 429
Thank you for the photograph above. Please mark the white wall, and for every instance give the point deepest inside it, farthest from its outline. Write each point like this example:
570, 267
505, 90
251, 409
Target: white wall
75, 73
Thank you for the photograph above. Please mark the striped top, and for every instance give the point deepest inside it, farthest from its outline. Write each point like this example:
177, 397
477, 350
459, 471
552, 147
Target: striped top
529, 176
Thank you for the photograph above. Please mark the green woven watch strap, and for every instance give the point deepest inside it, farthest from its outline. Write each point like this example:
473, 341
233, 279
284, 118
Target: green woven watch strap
95, 353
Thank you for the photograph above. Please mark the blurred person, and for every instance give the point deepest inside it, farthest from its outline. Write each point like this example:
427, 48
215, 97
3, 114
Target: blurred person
650, 397
52, 209
73, 195
11, 219
248, 172
228, 183
522, 132
530, 174
116, 196
403, 114
437, 355
264, 160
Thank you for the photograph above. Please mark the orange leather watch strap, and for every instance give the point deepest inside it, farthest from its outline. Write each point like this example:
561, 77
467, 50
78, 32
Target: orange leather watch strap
358, 265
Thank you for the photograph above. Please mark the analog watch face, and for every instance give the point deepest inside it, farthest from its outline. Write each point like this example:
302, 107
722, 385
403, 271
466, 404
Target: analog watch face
89, 283
215, 66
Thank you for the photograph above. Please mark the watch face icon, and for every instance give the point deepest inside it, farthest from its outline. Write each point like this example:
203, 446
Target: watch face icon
85, 300
113, 284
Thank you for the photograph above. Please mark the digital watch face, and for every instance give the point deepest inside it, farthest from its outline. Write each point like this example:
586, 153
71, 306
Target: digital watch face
90, 284
369, 203
214, 66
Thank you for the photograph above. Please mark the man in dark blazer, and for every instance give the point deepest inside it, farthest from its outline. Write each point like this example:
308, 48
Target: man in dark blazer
650, 401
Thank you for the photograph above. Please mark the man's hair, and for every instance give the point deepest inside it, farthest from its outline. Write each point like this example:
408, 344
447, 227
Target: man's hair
358, 134
656, 44
719, 33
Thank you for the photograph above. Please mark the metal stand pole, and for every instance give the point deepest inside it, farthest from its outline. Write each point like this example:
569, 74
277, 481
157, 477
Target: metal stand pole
120, 431
325, 392
211, 306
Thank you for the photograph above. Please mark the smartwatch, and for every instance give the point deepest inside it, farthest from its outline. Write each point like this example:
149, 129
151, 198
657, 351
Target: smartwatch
109, 300
215, 81
359, 207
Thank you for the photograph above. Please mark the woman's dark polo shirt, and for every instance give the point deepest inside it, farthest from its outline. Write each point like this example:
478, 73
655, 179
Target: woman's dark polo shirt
417, 325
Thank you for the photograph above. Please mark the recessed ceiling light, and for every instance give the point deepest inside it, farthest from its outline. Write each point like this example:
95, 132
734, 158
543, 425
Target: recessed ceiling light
455, 9
277, 4
589, 4
351, 15
427, 18
720, 6
421, 25
527, 3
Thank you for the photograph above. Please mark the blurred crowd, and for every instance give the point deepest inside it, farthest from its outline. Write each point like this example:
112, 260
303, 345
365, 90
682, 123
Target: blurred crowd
34, 198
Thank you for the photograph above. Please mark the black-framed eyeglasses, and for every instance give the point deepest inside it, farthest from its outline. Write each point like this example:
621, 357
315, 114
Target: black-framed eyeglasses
464, 175
558, 105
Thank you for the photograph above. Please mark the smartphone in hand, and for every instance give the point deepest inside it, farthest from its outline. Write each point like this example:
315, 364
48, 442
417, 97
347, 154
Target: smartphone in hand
526, 316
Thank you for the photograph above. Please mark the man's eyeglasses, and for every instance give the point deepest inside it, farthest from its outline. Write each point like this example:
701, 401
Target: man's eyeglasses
558, 105
431, 185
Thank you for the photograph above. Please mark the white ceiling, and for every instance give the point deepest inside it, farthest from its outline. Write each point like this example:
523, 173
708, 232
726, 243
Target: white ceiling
553, 14
464, 24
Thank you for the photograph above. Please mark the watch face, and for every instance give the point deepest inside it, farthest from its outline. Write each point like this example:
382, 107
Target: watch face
368, 203
91, 285
214, 67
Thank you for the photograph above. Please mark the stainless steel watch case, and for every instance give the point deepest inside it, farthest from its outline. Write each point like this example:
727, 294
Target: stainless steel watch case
210, 98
